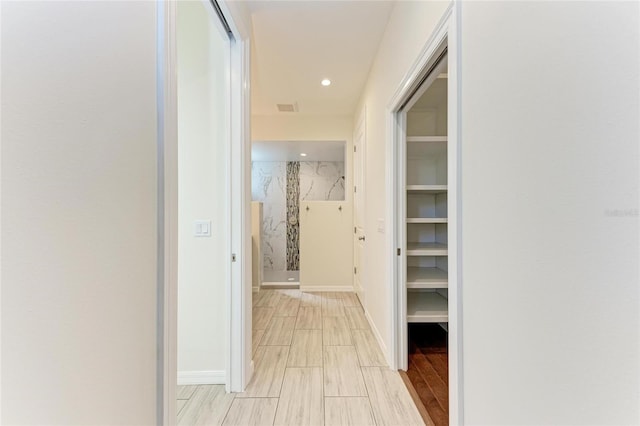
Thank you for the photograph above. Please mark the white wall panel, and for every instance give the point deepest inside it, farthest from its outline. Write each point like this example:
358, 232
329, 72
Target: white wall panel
79, 213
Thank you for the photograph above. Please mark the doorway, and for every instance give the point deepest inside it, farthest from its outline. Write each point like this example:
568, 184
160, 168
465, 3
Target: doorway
203, 157
424, 207
286, 175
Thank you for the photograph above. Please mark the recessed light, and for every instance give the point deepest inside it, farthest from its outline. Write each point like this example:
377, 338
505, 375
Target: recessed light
326, 82
302, 154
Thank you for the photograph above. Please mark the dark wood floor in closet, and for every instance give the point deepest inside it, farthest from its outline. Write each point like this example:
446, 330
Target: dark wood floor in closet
428, 369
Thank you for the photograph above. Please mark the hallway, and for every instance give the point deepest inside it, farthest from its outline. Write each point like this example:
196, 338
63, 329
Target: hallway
316, 362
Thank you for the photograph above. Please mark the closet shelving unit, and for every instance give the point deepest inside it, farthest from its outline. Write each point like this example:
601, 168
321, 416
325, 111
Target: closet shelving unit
426, 224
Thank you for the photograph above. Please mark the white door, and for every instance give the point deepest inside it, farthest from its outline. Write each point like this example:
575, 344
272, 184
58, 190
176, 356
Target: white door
359, 238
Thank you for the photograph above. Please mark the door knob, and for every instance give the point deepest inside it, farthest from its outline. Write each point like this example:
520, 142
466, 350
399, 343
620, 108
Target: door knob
361, 238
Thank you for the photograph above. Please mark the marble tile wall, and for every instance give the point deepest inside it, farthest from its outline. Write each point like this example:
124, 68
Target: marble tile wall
317, 180
269, 185
321, 180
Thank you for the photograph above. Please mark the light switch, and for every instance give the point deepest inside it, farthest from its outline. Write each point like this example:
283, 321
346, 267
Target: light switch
381, 226
202, 228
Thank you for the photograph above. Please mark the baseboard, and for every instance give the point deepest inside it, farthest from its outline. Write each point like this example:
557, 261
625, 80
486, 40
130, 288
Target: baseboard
217, 377
378, 337
326, 288
273, 285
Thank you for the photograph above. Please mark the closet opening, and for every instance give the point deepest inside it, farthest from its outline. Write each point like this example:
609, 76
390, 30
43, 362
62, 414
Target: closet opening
425, 240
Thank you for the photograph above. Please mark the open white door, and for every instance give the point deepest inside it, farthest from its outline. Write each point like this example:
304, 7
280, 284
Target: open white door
359, 239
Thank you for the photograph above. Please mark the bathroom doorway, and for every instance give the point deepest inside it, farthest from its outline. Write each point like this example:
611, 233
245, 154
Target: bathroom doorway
284, 174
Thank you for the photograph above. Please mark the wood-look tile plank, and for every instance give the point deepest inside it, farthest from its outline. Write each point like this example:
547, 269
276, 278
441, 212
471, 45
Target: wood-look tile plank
390, 400
208, 405
256, 296
186, 391
255, 340
261, 317
290, 292
354, 411
356, 318
369, 352
350, 299
279, 332
251, 412
311, 299
306, 349
332, 305
288, 307
335, 331
270, 299
180, 403
309, 318
270, 362
301, 399
342, 376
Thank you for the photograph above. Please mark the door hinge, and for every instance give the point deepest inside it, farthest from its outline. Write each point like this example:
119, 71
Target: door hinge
355, 189
233, 257
355, 230
399, 251
354, 148
355, 270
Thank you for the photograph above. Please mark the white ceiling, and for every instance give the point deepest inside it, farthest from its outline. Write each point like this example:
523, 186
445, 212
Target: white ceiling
298, 43
291, 150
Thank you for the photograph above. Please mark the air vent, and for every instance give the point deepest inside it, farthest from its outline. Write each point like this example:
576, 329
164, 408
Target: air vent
287, 107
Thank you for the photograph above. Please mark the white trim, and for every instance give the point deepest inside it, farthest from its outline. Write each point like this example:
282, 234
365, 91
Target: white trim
240, 281
167, 89
215, 377
334, 288
378, 337
447, 30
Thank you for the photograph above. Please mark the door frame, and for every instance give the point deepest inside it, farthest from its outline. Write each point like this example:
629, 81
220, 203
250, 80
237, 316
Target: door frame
446, 32
359, 185
239, 367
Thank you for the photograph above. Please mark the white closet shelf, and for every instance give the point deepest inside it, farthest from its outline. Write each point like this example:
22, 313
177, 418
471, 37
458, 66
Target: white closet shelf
426, 220
426, 249
426, 139
426, 189
426, 307
426, 278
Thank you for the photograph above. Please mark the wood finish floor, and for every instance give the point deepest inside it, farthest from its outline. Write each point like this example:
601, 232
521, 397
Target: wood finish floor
316, 363
429, 369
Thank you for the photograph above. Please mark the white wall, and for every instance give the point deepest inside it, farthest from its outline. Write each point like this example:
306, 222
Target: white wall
203, 263
78, 213
326, 246
409, 27
550, 98
296, 127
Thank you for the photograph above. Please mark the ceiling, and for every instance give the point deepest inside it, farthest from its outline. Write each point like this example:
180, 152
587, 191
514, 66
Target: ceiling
291, 150
298, 43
